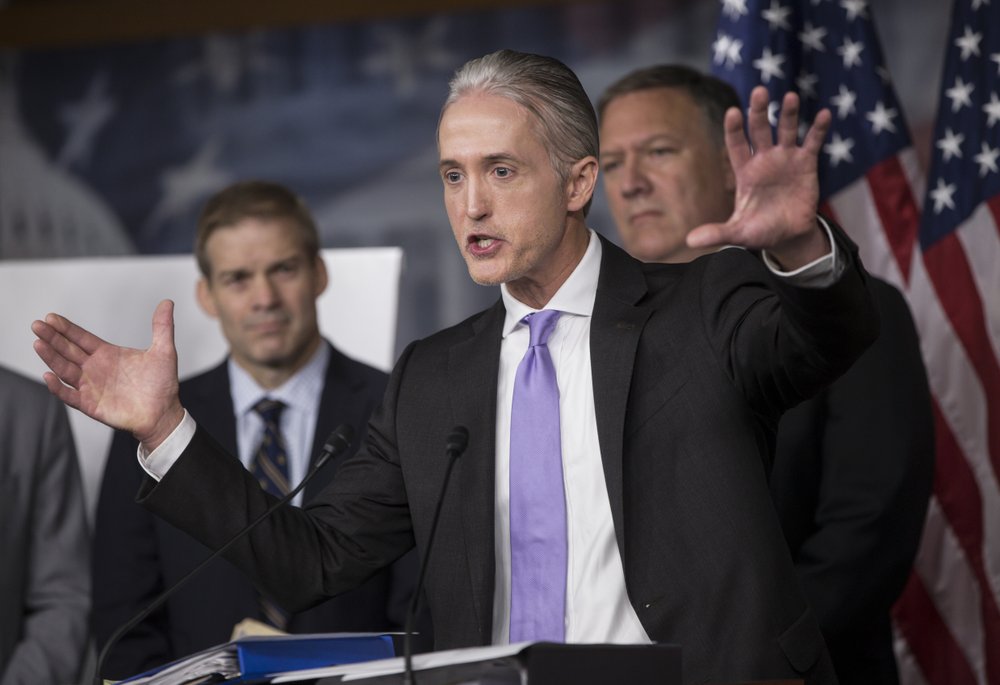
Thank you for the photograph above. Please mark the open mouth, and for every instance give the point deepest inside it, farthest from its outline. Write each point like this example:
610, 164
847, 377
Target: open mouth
482, 245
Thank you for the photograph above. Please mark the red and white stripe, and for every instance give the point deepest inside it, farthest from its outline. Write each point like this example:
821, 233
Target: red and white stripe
948, 619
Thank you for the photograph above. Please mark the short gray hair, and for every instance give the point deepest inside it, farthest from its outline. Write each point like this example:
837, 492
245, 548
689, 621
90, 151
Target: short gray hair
545, 87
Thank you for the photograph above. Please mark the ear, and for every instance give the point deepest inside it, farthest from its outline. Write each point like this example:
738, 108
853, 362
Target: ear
581, 183
203, 291
322, 277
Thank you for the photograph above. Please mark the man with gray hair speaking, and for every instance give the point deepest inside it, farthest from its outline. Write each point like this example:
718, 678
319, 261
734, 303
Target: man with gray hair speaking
613, 488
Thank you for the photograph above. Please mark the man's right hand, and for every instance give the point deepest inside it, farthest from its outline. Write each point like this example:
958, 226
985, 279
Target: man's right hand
125, 388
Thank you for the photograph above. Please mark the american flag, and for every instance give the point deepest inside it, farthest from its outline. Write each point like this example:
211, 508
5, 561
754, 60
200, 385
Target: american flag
946, 260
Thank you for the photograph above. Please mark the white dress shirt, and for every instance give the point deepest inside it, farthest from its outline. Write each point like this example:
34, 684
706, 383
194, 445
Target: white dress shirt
597, 606
301, 395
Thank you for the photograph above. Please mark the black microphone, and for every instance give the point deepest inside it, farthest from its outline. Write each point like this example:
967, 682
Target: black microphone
458, 440
337, 443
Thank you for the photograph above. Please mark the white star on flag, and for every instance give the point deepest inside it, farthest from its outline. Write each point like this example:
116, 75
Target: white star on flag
942, 196
987, 159
734, 8
844, 101
992, 109
881, 118
806, 83
727, 51
969, 43
769, 65
812, 37
951, 144
720, 48
960, 94
996, 58
851, 52
855, 9
839, 149
777, 15
733, 56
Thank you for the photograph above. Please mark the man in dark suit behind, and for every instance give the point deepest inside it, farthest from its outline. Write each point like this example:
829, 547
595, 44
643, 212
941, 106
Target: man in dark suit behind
671, 379
258, 252
854, 465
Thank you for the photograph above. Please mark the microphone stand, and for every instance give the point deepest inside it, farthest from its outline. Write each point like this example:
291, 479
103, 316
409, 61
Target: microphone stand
458, 440
338, 442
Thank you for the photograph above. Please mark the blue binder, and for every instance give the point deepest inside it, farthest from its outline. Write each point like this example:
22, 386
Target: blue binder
251, 659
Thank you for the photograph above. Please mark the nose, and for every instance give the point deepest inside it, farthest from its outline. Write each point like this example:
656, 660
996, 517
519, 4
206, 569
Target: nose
265, 292
477, 200
634, 181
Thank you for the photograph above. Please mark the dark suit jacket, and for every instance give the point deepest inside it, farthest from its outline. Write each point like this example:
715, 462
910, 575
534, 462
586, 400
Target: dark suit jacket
693, 364
138, 555
851, 481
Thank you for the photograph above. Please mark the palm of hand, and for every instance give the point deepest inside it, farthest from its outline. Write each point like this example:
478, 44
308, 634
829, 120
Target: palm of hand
128, 388
777, 188
777, 193
125, 388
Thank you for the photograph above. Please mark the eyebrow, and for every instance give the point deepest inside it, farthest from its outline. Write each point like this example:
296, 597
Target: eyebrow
486, 160
656, 137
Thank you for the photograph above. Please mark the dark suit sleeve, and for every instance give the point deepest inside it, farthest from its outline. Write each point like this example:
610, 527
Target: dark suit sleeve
127, 566
779, 350
874, 436
352, 529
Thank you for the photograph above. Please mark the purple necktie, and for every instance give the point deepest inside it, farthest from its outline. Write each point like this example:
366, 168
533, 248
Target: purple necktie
537, 500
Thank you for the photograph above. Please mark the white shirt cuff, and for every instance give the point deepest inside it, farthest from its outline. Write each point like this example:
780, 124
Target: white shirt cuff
159, 461
819, 273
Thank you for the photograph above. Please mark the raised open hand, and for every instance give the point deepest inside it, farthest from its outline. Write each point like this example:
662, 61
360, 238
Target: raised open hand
777, 188
134, 390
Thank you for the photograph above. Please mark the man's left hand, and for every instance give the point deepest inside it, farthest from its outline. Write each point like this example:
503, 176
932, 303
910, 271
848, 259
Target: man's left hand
777, 187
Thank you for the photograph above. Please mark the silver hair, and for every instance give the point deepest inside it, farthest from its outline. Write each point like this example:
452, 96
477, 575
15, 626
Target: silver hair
545, 87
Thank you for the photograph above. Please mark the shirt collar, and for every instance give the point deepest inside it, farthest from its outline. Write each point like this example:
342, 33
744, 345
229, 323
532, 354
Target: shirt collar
299, 391
575, 296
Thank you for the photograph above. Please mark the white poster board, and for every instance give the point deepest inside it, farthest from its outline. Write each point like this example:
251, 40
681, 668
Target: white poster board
115, 298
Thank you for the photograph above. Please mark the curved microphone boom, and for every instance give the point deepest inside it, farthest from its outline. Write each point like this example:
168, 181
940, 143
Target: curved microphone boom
458, 440
337, 443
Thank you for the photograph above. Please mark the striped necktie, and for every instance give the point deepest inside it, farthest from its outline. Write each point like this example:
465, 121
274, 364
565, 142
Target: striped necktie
270, 468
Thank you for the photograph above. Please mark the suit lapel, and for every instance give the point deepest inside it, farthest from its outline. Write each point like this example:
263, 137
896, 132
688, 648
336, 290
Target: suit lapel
615, 329
473, 365
336, 400
203, 403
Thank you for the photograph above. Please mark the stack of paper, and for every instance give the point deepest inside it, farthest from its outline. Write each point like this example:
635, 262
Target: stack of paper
255, 657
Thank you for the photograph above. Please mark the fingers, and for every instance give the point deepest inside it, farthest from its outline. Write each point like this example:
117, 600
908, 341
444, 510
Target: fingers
706, 235
58, 343
163, 326
79, 342
65, 370
758, 125
817, 132
736, 143
68, 395
788, 121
